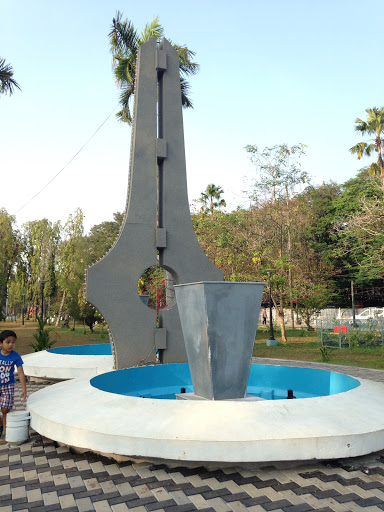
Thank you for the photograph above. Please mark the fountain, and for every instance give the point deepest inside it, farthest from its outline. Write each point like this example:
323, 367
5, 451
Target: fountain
219, 408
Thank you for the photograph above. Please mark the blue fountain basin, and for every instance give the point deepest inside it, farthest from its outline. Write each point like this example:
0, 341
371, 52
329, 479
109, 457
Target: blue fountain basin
101, 349
265, 381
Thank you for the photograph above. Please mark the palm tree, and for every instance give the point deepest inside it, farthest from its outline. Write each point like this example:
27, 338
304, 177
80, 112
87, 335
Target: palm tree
373, 126
7, 83
124, 44
208, 198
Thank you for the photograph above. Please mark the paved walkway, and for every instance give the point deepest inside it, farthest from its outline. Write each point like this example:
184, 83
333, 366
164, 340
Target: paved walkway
41, 476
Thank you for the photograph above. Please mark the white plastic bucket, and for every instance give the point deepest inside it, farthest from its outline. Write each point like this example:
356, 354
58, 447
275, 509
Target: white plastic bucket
17, 427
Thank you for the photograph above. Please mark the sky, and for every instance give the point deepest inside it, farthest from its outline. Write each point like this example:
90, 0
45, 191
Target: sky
271, 72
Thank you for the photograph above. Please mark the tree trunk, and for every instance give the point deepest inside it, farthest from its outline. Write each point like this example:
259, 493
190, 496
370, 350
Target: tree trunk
291, 296
66, 321
60, 310
289, 251
280, 313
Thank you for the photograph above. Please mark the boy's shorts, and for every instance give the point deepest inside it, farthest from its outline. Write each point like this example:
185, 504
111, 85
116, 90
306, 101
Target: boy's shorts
7, 394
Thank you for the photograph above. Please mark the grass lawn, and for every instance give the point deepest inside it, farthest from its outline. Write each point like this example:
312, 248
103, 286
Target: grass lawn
64, 336
301, 345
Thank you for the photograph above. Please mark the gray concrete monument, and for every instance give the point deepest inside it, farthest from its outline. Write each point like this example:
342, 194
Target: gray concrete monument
157, 229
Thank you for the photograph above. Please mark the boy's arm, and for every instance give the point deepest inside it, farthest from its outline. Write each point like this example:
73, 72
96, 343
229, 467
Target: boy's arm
23, 382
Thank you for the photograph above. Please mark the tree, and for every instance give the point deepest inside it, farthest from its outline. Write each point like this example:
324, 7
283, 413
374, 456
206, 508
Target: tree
211, 199
227, 239
374, 125
350, 249
366, 229
125, 42
9, 249
40, 240
102, 236
279, 169
359, 226
7, 83
69, 255
280, 174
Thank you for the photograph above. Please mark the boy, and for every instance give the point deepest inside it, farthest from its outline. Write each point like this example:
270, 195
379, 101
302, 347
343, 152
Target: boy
8, 359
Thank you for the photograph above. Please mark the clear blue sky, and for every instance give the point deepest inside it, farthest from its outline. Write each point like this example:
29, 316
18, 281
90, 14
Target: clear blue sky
272, 71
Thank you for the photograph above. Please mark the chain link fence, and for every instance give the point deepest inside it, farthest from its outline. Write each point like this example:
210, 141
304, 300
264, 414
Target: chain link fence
345, 333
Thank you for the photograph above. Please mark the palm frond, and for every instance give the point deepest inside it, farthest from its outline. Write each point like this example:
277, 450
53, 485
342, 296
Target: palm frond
359, 149
185, 99
123, 37
186, 65
153, 29
7, 83
124, 46
125, 114
125, 71
374, 170
370, 148
361, 126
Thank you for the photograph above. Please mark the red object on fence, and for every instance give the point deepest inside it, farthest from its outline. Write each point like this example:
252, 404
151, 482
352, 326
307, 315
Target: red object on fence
342, 329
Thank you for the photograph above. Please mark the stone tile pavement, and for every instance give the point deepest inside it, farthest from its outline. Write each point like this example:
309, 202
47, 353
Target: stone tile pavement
42, 476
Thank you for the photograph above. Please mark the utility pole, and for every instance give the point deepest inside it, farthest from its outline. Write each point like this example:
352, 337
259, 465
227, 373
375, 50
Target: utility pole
271, 341
22, 311
42, 282
353, 304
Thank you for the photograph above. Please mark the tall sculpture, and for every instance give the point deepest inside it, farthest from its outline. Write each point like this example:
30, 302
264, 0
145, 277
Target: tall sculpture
157, 228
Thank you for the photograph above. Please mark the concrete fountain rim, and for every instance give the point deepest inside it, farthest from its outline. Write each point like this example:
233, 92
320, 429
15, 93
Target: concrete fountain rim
343, 425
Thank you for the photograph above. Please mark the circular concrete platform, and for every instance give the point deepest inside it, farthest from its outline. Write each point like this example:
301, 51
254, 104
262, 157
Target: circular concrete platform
346, 424
72, 362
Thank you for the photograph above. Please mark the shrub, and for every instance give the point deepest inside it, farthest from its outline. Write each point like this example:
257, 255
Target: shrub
42, 337
326, 354
369, 338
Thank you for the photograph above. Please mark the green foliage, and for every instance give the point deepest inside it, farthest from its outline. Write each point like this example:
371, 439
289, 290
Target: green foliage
153, 283
9, 252
279, 170
326, 353
228, 241
42, 337
7, 82
40, 241
102, 236
318, 204
125, 42
374, 125
73, 259
359, 228
211, 199
369, 337
87, 312
313, 298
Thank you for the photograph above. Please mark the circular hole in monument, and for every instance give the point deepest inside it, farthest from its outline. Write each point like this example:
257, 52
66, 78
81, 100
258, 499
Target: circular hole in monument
155, 288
